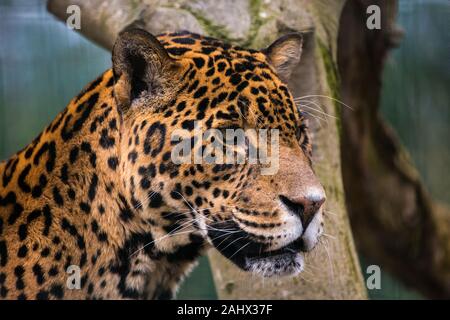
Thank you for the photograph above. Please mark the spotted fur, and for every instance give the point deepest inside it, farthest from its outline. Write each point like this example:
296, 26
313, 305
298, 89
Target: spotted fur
97, 188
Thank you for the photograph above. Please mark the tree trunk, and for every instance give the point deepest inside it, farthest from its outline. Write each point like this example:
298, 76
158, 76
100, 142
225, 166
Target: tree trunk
393, 218
332, 269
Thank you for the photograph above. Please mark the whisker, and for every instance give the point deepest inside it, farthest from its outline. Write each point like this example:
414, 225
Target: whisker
239, 250
223, 240
172, 233
319, 111
329, 236
187, 202
304, 279
222, 235
315, 116
330, 263
234, 242
324, 96
159, 239
319, 107
329, 212
148, 197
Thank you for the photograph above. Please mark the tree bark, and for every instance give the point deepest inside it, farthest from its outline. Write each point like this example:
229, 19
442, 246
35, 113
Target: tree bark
332, 270
394, 220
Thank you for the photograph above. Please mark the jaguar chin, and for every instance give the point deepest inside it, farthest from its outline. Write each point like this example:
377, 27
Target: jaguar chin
261, 258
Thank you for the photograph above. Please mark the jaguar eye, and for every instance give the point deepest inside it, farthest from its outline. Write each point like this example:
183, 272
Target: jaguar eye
298, 134
301, 134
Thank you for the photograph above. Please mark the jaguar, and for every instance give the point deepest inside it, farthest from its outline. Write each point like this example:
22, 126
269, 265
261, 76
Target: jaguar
97, 194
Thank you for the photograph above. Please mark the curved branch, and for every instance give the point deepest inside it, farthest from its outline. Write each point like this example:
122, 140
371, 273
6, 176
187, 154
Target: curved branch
394, 220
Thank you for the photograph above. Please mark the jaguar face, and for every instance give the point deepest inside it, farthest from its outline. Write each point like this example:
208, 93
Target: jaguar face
272, 220
185, 87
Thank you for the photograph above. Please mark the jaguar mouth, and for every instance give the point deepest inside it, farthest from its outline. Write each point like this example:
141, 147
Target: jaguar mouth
282, 262
253, 256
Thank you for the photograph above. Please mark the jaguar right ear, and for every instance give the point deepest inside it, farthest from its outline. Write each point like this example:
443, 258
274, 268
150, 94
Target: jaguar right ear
284, 54
141, 66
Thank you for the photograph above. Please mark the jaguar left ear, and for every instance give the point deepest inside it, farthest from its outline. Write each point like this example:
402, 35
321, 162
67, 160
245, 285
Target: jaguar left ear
284, 54
141, 66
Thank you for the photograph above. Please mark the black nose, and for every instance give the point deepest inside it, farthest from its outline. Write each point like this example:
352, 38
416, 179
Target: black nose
304, 207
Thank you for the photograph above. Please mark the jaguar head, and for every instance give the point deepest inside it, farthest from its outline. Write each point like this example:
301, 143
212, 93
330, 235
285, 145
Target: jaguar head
197, 110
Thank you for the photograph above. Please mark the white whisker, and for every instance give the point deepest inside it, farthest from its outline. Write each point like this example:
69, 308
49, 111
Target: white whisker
316, 110
234, 241
239, 250
329, 236
324, 96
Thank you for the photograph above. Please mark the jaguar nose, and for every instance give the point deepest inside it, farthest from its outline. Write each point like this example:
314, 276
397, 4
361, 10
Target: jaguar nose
305, 206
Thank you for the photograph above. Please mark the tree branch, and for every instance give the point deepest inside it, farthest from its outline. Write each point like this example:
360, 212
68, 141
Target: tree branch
394, 219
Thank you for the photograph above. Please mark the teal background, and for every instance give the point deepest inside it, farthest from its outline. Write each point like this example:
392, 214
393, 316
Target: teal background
43, 65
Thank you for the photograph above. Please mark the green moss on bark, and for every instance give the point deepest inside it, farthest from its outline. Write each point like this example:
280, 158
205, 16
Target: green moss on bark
220, 32
332, 77
210, 28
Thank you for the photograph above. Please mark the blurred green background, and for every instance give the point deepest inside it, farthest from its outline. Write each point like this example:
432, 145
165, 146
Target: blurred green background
43, 65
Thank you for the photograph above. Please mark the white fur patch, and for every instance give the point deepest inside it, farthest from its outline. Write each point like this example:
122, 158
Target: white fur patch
313, 232
286, 264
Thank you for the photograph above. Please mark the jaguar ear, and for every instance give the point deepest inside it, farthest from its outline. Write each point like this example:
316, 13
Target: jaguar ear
284, 54
141, 66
